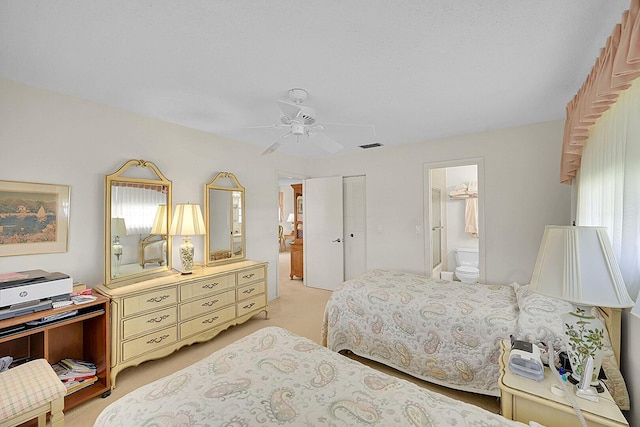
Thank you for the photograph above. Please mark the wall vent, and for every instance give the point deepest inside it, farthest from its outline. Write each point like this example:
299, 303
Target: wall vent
374, 145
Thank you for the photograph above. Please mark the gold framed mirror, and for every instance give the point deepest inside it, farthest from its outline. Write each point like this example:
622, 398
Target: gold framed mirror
137, 216
224, 211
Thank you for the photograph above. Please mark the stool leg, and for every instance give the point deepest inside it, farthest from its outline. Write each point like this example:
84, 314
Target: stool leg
57, 416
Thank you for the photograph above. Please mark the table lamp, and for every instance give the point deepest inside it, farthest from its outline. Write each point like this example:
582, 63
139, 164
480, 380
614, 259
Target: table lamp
577, 264
160, 221
187, 221
290, 220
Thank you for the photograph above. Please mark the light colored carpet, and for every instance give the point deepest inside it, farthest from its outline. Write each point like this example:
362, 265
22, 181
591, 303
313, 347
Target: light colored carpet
298, 309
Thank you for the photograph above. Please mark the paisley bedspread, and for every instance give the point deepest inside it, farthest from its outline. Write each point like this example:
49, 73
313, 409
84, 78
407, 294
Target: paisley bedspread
442, 332
274, 378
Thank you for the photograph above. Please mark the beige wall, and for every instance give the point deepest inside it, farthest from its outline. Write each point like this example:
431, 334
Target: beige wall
522, 195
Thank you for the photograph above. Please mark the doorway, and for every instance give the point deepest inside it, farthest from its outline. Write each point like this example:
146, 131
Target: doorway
286, 209
353, 236
446, 216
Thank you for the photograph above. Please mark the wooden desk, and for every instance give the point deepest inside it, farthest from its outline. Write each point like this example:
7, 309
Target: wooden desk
85, 336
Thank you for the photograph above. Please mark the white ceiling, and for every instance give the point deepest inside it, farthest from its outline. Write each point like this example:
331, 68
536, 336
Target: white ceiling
416, 70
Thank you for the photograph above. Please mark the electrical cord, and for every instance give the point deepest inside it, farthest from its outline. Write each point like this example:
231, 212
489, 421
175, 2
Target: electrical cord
567, 392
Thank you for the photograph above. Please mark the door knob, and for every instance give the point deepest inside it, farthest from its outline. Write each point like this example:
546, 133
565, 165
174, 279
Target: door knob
337, 240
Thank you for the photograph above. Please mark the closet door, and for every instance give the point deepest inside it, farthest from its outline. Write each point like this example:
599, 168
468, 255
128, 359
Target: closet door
355, 226
323, 232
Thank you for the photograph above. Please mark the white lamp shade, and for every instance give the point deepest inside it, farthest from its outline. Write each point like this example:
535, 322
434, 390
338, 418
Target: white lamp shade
187, 221
118, 227
290, 218
160, 221
577, 264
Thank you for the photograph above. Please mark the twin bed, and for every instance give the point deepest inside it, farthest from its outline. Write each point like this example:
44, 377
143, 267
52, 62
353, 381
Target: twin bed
274, 378
435, 330
449, 333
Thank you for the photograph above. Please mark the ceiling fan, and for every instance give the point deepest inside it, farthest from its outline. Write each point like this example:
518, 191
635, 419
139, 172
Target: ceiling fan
300, 120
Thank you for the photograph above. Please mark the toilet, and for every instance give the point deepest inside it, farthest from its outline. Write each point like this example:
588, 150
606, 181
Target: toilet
467, 260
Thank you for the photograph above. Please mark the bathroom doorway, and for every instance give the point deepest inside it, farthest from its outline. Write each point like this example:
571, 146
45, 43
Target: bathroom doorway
448, 185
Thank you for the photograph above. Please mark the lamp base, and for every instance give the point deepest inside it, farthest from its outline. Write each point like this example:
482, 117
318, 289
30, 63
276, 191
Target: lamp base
584, 337
186, 255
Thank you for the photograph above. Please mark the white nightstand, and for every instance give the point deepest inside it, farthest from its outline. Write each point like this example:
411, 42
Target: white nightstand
525, 400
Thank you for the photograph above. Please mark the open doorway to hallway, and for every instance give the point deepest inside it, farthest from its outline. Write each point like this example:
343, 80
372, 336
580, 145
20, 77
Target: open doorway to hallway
287, 209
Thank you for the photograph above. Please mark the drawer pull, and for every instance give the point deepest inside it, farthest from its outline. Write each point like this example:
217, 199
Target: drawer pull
158, 339
210, 303
213, 319
157, 319
158, 299
248, 276
210, 285
248, 291
248, 306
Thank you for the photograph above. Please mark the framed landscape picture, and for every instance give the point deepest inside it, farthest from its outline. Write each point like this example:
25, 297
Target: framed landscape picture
34, 218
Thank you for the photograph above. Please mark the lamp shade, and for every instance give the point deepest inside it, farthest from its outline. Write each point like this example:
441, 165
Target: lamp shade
577, 264
160, 222
187, 220
290, 218
118, 227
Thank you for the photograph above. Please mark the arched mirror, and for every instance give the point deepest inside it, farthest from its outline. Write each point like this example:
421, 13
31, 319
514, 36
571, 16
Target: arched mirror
224, 217
137, 211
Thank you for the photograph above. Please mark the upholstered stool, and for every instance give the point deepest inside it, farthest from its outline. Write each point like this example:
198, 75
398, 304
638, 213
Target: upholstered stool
31, 390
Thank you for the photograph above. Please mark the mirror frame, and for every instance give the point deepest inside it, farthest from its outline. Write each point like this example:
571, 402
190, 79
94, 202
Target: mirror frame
118, 176
216, 184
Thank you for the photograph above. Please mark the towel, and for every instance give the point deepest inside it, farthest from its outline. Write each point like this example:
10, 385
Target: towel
472, 190
471, 217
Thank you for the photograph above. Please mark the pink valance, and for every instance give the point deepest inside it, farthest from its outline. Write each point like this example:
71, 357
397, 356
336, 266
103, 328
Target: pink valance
616, 68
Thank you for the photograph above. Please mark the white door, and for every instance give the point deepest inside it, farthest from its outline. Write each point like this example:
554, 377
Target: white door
323, 232
355, 226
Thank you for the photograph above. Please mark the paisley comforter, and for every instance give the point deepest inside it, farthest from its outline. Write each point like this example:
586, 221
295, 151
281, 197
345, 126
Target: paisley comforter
274, 378
432, 329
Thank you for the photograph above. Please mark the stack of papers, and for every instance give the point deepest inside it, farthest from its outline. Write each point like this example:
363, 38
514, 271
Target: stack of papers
75, 374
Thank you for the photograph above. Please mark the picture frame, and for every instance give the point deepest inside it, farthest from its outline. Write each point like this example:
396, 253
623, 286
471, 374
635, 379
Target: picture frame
299, 205
34, 218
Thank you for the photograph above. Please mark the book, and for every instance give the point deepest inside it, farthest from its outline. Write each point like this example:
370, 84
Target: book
66, 375
79, 366
82, 299
73, 386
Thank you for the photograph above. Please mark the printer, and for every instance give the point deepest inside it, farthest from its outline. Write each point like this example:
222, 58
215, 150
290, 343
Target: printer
26, 292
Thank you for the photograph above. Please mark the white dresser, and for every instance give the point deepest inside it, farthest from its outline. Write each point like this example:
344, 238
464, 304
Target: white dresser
152, 318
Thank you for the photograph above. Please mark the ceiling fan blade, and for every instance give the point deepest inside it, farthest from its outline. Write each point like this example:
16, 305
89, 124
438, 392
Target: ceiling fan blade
288, 109
273, 126
273, 147
328, 144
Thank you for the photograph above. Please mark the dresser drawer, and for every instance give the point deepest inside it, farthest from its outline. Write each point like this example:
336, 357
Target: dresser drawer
206, 286
149, 342
207, 304
248, 276
252, 304
148, 322
149, 301
251, 290
208, 321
